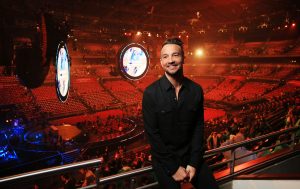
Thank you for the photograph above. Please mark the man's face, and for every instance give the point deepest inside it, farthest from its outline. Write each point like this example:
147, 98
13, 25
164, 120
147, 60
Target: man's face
171, 58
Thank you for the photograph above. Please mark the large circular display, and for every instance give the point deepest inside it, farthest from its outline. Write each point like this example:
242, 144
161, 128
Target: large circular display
62, 72
134, 61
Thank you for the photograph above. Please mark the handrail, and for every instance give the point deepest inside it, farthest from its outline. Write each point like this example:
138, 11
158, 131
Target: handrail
97, 162
51, 171
242, 143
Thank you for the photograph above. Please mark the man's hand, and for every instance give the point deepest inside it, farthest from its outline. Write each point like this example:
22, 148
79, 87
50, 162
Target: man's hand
180, 174
191, 171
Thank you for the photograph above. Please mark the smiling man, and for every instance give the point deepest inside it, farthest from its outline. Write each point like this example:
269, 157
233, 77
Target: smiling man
173, 119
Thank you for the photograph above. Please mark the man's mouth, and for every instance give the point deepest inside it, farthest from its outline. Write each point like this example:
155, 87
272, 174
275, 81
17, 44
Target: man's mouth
172, 65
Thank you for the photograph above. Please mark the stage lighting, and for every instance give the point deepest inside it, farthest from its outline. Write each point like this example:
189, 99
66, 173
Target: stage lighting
199, 52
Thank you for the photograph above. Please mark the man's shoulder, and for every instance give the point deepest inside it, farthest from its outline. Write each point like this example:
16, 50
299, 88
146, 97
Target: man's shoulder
193, 84
153, 86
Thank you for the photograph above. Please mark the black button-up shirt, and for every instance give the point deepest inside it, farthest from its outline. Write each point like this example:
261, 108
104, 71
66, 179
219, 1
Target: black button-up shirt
174, 126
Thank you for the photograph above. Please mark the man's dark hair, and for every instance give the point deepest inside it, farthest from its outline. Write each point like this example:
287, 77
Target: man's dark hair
175, 41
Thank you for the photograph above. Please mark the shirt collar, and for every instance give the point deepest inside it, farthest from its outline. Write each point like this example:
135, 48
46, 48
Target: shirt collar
167, 85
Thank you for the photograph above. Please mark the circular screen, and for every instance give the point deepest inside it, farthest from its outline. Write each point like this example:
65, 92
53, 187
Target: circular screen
134, 61
62, 72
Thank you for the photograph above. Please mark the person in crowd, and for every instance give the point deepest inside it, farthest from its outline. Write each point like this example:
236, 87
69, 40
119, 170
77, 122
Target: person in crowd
125, 166
68, 182
89, 177
213, 141
281, 139
173, 117
290, 118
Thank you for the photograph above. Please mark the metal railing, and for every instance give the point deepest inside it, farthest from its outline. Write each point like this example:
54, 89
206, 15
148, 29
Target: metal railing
131, 174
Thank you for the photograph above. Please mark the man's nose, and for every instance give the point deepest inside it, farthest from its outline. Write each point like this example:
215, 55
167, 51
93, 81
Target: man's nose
171, 60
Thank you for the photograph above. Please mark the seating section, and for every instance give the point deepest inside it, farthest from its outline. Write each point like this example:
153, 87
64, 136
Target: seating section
252, 90
211, 113
206, 83
224, 89
262, 71
92, 93
277, 47
93, 88
124, 91
12, 92
197, 69
283, 72
252, 49
280, 91
48, 102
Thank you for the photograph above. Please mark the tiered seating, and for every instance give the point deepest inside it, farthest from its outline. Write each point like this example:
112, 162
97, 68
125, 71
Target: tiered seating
79, 71
96, 49
211, 113
219, 69
118, 85
196, 69
276, 47
12, 92
47, 100
271, 48
124, 91
283, 72
225, 89
57, 109
241, 69
281, 91
129, 97
295, 51
250, 49
90, 90
296, 75
262, 71
206, 83
219, 49
252, 90
103, 70
44, 93
29, 110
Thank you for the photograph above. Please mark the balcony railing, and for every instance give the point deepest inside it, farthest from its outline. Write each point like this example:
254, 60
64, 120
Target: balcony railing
131, 174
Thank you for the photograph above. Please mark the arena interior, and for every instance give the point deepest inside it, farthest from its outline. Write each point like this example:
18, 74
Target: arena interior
244, 54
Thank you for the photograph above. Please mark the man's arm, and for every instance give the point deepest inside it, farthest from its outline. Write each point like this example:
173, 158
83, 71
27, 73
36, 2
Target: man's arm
159, 149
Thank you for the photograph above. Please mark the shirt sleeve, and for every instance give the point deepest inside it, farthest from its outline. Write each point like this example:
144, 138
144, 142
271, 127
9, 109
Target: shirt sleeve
159, 150
197, 149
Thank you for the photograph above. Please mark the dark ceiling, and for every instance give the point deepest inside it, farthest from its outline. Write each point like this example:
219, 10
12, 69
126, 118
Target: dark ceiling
173, 16
181, 12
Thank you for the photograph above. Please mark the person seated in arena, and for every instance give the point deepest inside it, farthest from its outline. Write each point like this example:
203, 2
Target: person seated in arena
213, 141
89, 177
281, 139
68, 182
